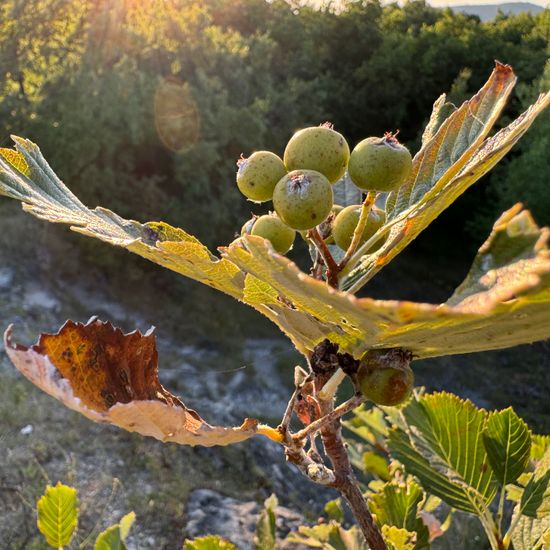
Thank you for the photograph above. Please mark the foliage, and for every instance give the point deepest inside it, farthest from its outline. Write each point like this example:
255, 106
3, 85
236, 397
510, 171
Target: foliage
252, 72
458, 452
461, 454
266, 532
524, 176
58, 518
57, 515
210, 542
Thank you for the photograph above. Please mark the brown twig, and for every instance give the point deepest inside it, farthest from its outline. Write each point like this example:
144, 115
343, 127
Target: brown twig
316, 471
283, 426
336, 413
329, 261
345, 480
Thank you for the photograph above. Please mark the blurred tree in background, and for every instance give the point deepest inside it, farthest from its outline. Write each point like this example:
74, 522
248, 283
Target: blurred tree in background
106, 86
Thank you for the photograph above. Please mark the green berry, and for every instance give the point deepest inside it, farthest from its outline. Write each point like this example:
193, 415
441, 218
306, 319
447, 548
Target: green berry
385, 377
318, 148
346, 221
258, 175
380, 164
303, 199
270, 227
335, 210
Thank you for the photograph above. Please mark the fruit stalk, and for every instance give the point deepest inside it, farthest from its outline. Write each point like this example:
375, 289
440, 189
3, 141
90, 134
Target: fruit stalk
358, 233
330, 263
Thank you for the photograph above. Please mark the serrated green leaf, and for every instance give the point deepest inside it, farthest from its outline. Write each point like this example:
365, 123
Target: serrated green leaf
398, 539
58, 514
210, 542
449, 163
113, 537
398, 504
529, 533
534, 497
266, 529
508, 444
443, 447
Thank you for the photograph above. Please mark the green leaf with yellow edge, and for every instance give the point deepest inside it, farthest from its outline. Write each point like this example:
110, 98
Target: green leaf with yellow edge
397, 504
449, 163
442, 446
58, 515
507, 441
504, 300
113, 537
535, 500
266, 528
210, 542
397, 538
45, 196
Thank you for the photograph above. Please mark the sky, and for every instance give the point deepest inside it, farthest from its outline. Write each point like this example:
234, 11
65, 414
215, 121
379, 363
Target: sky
444, 3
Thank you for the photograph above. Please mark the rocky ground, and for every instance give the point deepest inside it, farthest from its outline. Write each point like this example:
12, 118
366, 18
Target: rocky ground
182, 491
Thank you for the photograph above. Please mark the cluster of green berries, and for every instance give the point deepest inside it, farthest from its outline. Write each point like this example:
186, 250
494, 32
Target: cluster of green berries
300, 184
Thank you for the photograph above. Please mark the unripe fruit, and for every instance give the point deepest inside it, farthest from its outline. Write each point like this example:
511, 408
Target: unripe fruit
270, 227
303, 199
380, 164
385, 377
346, 221
318, 148
335, 210
258, 175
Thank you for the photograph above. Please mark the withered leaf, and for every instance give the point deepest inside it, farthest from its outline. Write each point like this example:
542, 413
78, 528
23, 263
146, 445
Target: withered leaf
111, 377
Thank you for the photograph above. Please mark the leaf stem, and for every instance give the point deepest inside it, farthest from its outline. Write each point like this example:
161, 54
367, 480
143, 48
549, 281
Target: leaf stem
358, 232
